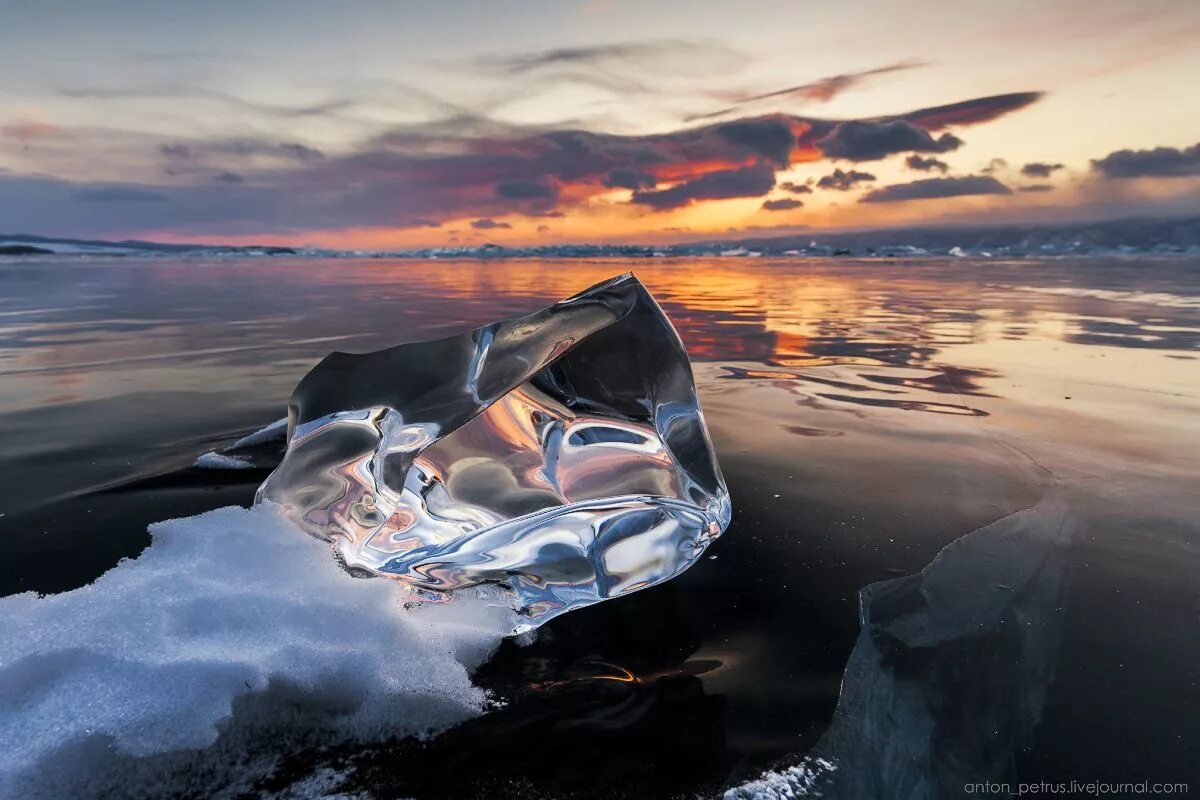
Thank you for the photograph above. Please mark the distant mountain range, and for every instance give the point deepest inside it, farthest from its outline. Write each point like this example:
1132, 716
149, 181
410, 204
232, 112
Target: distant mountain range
28, 244
1163, 236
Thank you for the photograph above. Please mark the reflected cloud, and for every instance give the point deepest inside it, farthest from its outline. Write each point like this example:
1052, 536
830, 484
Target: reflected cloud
910, 335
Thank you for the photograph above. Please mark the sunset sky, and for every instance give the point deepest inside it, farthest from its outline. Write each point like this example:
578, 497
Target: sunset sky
383, 124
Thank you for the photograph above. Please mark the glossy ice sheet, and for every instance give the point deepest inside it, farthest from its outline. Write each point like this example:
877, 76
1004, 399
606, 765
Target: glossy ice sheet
867, 415
561, 455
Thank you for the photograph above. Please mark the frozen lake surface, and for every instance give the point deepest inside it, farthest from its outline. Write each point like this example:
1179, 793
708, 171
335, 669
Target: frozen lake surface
1034, 422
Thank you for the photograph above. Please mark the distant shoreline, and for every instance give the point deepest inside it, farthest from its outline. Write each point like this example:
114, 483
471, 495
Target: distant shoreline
1134, 236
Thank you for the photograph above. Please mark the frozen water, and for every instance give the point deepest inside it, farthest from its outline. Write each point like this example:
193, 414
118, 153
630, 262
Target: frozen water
562, 455
231, 611
987, 612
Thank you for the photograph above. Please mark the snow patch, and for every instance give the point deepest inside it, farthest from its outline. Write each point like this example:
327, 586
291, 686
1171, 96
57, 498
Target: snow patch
233, 628
799, 781
221, 461
277, 430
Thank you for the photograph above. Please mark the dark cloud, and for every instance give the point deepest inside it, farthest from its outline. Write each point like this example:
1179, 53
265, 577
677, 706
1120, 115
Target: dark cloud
118, 194
181, 152
228, 177
1161, 162
844, 181
923, 164
526, 190
629, 178
995, 165
458, 167
871, 141
1039, 169
245, 148
301, 152
782, 204
489, 224
771, 138
969, 112
931, 188
543, 228
1036, 187
752, 181
796, 188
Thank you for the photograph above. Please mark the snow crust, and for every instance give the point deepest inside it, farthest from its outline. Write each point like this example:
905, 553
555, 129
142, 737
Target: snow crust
222, 461
233, 634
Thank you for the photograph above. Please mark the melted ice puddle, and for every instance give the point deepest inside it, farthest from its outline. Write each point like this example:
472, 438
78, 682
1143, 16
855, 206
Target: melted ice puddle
233, 634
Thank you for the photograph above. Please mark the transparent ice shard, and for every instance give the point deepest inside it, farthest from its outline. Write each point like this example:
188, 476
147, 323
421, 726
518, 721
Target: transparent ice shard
562, 455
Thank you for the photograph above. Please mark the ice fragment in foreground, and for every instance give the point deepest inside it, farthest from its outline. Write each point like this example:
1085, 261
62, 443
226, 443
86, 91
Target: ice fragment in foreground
562, 455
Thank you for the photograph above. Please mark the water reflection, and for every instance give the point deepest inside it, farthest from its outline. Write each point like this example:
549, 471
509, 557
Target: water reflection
867, 383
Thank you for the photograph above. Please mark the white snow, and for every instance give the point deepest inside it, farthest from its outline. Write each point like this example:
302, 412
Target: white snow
220, 461
232, 611
793, 782
324, 784
276, 430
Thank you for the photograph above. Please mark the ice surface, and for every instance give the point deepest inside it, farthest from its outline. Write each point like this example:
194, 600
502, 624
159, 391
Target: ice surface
562, 456
970, 640
233, 610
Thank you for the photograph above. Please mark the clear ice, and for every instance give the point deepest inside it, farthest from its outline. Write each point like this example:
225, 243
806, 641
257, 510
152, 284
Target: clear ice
562, 456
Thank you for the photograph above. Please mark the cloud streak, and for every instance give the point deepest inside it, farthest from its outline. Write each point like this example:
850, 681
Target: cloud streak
934, 188
659, 53
821, 90
970, 112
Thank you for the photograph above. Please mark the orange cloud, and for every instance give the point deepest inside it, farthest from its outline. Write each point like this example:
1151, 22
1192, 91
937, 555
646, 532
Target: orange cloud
26, 130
